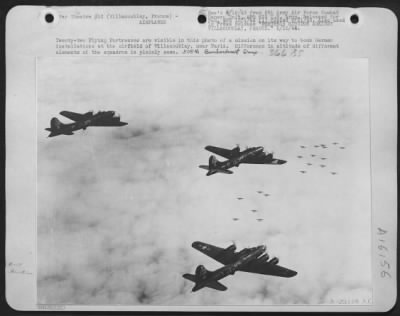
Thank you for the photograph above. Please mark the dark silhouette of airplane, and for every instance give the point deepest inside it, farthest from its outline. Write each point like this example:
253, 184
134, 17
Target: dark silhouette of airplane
309, 164
266, 194
235, 219
260, 219
303, 146
323, 158
253, 211
303, 171
299, 156
260, 192
335, 143
322, 166
312, 155
240, 198
82, 121
253, 260
252, 155
316, 146
333, 173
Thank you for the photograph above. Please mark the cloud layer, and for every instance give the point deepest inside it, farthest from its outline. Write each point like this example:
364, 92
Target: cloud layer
118, 208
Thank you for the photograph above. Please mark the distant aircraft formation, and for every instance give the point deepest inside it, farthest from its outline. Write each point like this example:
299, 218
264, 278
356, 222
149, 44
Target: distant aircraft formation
323, 146
252, 260
82, 121
235, 157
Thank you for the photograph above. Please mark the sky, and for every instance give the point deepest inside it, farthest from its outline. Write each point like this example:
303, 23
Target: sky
119, 207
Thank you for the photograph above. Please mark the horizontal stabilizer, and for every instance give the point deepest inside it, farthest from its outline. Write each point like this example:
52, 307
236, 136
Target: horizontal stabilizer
215, 170
190, 277
223, 171
217, 286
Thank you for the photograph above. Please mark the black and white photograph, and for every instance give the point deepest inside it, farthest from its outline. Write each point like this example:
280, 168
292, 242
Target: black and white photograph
209, 181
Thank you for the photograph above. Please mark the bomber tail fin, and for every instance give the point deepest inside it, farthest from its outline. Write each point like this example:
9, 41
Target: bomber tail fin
55, 128
200, 275
214, 167
55, 124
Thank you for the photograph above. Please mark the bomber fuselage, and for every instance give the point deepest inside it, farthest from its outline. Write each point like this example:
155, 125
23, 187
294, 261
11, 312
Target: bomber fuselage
236, 161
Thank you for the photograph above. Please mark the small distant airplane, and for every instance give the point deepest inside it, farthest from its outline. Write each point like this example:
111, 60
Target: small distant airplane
299, 156
323, 158
266, 194
253, 211
240, 198
253, 260
333, 173
260, 192
82, 121
309, 164
303, 146
322, 166
335, 143
260, 219
312, 155
303, 171
252, 155
316, 146
235, 219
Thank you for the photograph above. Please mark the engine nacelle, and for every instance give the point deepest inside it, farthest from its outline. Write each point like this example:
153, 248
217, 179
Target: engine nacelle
274, 260
236, 150
264, 257
231, 248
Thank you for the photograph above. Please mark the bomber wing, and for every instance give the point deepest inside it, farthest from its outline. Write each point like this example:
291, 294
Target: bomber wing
222, 255
76, 116
108, 122
264, 159
263, 267
226, 153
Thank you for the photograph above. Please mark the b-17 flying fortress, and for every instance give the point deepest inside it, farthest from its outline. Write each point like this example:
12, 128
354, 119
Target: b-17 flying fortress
235, 157
253, 260
82, 121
